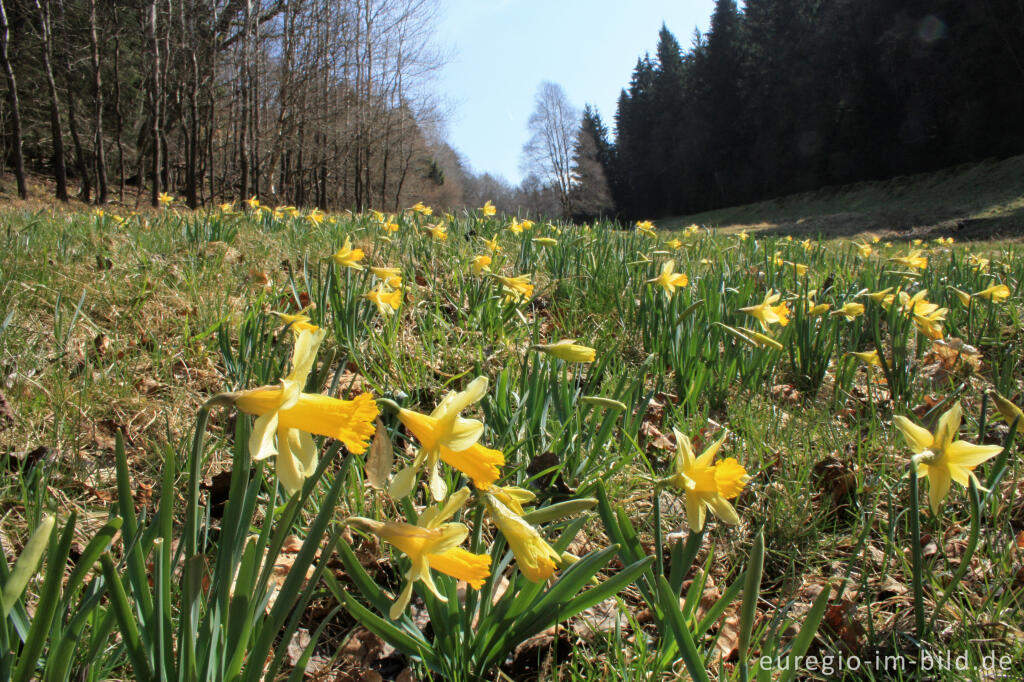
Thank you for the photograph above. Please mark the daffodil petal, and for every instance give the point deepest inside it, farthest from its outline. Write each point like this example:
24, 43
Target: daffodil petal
261, 440
969, 455
723, 509
917, 437
939, 480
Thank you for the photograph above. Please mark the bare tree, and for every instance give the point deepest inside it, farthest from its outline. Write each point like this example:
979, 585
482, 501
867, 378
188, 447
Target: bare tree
56, 128
12, 99
548, 152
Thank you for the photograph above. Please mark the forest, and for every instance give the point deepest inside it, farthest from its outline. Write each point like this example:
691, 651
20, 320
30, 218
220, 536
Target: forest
333, 105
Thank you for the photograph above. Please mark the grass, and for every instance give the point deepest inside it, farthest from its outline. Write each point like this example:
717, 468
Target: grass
129, 327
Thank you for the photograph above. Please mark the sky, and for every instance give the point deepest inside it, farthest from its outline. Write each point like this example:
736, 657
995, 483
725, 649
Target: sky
501, 50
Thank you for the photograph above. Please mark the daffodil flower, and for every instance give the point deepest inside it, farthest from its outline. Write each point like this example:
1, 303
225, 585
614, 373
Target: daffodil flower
1008, 410
289, 414
998, 292
418, 207
545, 241
298, 322
868, 357
645, 227
492, 244
537, 560
165, 199
940, 458
392, 276
431, 544
347, 257
769, 311
488, 209
850, 310
913, 259
516, 288
568, 350
481, 263
704, 484
674, 244
386, 300
445, 435
438, 232
668, 279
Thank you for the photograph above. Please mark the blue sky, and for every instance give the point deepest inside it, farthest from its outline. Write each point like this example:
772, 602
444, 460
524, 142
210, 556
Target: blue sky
502, 49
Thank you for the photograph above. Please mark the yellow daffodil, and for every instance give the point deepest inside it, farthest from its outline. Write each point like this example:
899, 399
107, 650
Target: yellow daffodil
815, 309
668, 279
515, 227
297, 322
864, 249
481, 263
289, 414
691, 230
916, 242
492, 244
227, 207
743, 235
879, 296
390, 225
437, 231
965, 298
418, 207
799, 268
445, 435
704, 484
512, 497
875, 240
386, 299
977, 262
1008, 410
998, 292
348, 257
807, 244
645, 227
537, 560
869, 357
528, 225
850, 310
391, 276
431, 544
674, 244
941, 458
488, 209
913, 259
545, 241
316, 216
568, 350
769, 311
165, 199
252, 202
516, 288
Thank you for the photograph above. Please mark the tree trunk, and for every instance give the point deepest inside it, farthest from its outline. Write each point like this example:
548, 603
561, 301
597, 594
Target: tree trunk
56, 129
154, 99
97, 84
12, 99
64, 55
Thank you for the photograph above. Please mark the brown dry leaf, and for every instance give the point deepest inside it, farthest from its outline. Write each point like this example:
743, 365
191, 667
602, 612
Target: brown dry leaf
6, 413
728, 642
841, 618
102, 344
836, 480
259, 278
380, 459
655, 438
929, 402
602, 617
786, 393
292, 544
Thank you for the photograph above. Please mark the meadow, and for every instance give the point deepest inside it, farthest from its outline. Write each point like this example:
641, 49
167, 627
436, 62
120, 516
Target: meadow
263, 443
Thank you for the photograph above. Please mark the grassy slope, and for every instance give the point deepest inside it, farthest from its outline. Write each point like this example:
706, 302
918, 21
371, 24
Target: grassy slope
972, 201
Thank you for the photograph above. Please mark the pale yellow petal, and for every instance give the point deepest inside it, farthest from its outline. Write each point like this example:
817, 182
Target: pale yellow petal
969, 455
949, 425
939, 480
261, 440
917, 437
723, 509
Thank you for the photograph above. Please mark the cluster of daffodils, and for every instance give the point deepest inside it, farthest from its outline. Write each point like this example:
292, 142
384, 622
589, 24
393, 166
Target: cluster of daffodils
446, 436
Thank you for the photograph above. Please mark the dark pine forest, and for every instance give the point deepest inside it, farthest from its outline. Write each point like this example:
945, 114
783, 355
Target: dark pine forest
786, 96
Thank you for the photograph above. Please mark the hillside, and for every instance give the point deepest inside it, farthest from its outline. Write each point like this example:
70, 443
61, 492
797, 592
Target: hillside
971, 201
